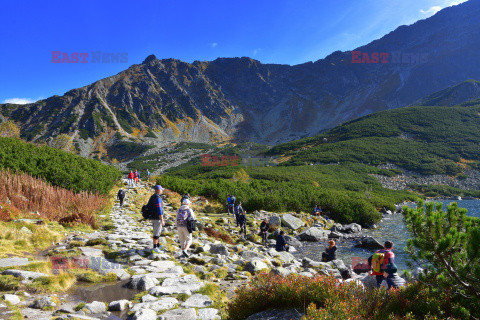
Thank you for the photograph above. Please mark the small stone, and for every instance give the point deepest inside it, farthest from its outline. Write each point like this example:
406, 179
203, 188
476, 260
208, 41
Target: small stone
119, 305
95, 307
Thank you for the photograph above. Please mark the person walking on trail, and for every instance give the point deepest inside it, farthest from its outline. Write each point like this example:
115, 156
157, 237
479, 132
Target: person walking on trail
330, 252
392, 277
242, 223
136, 176
184, 236
148, 174
130, 177
231, 204
238, 210
264, 226
379, 261
121, 196
281, 244
155, 204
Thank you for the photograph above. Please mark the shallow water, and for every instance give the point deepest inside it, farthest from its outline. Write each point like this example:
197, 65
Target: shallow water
392, 227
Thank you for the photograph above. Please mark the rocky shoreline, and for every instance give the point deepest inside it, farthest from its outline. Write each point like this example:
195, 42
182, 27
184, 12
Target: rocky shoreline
175, 287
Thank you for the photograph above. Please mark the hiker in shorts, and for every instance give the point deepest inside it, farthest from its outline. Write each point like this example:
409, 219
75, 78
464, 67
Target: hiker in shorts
392, 277
238, 210
136, 176
184, 236
264, 226
156, 206
379, 261
121, 196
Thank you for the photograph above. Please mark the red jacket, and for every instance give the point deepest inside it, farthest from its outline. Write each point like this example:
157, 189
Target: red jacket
130, 175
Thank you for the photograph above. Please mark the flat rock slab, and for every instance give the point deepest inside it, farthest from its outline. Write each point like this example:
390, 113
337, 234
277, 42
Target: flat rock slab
208, 314
24, 274
179, 314
11, 262
162, 266
275, 314
198, 301
145, 314
157, 305
91, 252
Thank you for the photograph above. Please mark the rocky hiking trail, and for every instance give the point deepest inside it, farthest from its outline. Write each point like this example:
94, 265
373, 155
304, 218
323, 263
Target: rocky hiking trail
166, 285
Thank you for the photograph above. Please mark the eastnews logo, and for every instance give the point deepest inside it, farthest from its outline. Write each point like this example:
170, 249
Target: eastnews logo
397, 57
92, 57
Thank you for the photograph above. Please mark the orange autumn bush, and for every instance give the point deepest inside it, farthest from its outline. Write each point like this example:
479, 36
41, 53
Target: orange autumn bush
21, 194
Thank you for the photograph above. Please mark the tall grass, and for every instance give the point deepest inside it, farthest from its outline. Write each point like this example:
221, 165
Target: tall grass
22, 194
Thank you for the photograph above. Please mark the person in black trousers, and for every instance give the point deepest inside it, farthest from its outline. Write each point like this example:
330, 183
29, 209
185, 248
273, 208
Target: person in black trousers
330, 252
242, 223
121, 196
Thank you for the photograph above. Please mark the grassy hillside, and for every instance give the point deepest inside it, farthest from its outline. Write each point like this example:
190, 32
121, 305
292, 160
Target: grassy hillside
347, 192
57, 167
427, 140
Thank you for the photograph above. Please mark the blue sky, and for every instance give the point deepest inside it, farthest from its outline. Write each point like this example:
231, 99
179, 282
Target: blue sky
271, 31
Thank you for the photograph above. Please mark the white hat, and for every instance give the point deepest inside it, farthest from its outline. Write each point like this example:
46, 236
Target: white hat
186, 201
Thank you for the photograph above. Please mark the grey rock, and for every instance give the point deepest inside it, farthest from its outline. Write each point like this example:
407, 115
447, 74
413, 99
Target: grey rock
279, 271
26, 230
142, 283
11, 262
197, 301
24, 274
255, 266
369, 243
292, 222
145, 314
157, 305
13, 299
163, 266
293, 242
368, 281
285, 257
43, 302
335, 235
95, 307
119, 305
249, 255
148, 298
313, 234
91, 252
179, 314
309, 263
338, 264
208, 314
219, 249
275, 221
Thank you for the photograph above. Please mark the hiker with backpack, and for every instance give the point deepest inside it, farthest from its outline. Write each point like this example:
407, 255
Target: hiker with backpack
242, 223
136, 176
155, 210
264, 226
238, 210
379, 260
231, 204
185, 225
185, 196
121, 196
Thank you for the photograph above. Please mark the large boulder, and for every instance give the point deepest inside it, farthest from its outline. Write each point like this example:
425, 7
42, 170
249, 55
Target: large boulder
309, 263
95, 307
352, 228
119, 305
368, 242
197, 301
179, 314
142, 283
255, 266
24, 274
313, 234
44, 302
293, 242
279, 271
285, 257
11, 298
292, 222
145, 314
208, 314
369, 281
275, 221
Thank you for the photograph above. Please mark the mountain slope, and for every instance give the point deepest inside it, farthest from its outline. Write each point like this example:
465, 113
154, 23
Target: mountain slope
241, 99
463, 92
427, 140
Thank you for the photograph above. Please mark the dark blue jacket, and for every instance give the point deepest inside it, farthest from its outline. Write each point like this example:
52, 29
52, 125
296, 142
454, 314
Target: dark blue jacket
156, 204
281, 242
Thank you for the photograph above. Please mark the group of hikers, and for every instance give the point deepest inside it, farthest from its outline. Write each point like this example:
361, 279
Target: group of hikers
134, 176
382, 262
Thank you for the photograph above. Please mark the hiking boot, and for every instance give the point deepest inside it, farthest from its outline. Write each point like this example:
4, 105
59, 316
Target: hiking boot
157, 250
185, 254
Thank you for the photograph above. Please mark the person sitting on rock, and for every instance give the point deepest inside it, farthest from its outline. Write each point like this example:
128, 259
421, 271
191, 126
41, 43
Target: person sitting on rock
317, 210
242, 223
281, 244
392, 277
330, 252
264, 226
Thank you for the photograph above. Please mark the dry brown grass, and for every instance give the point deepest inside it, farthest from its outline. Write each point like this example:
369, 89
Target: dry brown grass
21, 194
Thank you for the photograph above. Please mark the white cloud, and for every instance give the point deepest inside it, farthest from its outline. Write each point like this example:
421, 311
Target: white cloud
435, 9
213, 44
19, 100
431, 10
256, 51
